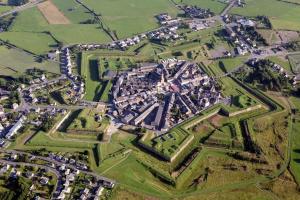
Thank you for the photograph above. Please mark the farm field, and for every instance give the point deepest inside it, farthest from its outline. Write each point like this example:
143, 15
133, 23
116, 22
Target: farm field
73, 11
283, 15
215, 6
52, 14
32, 23
128, 17
37, 43
15, 62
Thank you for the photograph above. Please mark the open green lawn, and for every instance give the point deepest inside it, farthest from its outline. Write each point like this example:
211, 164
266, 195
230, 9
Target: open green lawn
282, 15
37, 43
217, 6
226, 65
31, 25
4, 9
73, 11
15, 62
295, 154
90, 71
128, 17
43, 140
85, 121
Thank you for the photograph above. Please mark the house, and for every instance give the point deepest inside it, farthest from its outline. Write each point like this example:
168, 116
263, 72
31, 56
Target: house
99, 191
4, 97
108, 184
29, 175
230, 32
101, 107
44, 180
61, 195
15, 106
2, 143
14, 156
1, 128
1, 110
67, 190
15, 128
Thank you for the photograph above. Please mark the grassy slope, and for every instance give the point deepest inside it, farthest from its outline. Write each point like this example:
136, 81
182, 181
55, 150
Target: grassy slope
283, 15
90, 71
32, 22
73, 11
295, 155
14, 62
37, 43
129, 17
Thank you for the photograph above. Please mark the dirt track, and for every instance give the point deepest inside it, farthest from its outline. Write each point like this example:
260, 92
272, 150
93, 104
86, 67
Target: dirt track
52, 14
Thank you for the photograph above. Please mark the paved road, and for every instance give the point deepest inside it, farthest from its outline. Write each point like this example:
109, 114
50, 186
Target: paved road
22, 7
51, 169
229, 6
58, 163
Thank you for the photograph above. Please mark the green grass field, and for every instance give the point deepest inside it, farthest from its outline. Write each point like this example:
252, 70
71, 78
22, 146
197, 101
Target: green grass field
282, 15
295, 62
221, 66
29, 27
15, 62
43, 140
85, 121
90, 71
128, 17
73, 11
37, 43
4, 9
295, 153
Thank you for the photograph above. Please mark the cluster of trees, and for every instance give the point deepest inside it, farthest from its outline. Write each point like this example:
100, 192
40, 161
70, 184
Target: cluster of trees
14, 97
9, 84
17, 2
292, 46
6, 21
48, 123
263, 74
90, 21
254, 35
266, 21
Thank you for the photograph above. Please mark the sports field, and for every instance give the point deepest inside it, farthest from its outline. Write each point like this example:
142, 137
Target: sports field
283, 15
128, 17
